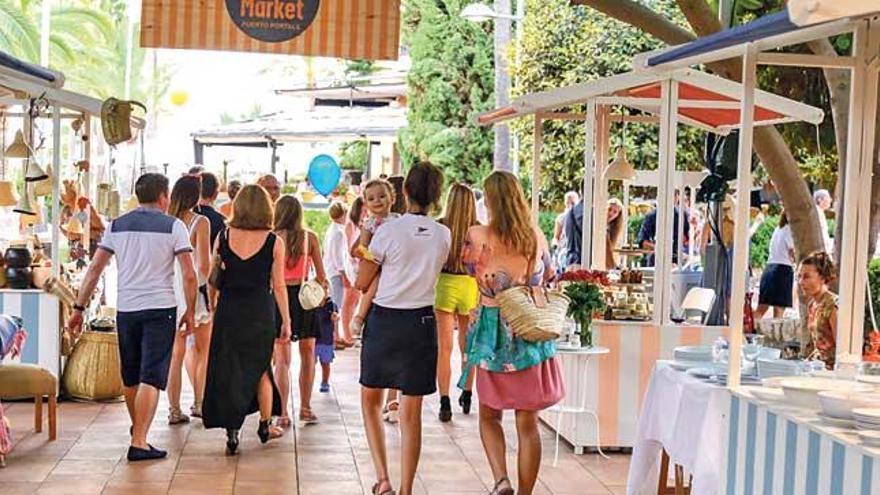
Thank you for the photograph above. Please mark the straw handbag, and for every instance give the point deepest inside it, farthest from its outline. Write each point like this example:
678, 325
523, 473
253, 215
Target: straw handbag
534, 314
311, 293
116, 120
92, 371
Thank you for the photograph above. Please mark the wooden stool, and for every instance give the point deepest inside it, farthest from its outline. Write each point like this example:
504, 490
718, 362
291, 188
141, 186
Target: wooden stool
20, 381
680, 487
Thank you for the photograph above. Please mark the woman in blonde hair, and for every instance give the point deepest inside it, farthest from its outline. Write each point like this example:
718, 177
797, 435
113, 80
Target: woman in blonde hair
251, 285
511, 373
457, 295
303, 251
614, 232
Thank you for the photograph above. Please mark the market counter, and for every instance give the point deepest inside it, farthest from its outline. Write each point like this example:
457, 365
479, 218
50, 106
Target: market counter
775, 448
41, 314
615, 383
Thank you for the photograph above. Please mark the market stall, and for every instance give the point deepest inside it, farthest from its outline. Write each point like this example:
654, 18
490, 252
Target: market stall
30, 97
668, 98
813, 434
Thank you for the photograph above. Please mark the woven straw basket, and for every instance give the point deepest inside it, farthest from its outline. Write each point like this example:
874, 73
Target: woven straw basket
534, 314
92, 371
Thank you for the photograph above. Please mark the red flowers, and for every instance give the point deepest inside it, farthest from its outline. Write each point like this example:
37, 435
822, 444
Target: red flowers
589, 276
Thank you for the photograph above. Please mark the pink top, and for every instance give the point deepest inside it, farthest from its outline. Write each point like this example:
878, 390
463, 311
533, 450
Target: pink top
295, 271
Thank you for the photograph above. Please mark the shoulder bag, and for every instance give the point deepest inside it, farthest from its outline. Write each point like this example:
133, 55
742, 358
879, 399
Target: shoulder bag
311, 293
215, 278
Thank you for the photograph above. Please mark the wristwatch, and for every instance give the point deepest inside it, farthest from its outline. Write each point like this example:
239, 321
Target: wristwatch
79, 307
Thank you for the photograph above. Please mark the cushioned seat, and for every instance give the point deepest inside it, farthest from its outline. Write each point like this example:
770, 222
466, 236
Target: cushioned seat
21, 381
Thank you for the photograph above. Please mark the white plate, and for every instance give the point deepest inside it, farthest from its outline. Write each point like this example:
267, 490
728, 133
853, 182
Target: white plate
869, 437
875, 379
768, 394
706, 372
686, 365
838, 422
802, 391
774, 382
868, 413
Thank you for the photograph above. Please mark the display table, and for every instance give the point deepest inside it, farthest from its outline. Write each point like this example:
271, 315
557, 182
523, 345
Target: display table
41, 313
775, 448
621, 378
685, 417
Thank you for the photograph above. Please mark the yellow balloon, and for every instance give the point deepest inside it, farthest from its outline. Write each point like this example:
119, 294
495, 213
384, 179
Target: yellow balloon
179, 97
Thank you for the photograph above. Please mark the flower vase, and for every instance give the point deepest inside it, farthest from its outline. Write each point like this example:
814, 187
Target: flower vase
585, 330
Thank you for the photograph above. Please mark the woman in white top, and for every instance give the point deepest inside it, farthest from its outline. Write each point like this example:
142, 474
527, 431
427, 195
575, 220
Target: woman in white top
400, 336
778, 277
184, 197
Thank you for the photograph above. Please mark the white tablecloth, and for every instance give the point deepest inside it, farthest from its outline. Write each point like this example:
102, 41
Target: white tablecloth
684, 416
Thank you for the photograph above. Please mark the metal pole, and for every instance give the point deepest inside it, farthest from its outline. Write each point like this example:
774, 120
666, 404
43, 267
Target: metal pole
741, 231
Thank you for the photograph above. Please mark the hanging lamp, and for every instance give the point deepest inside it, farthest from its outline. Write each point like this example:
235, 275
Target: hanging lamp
74, 226
620, 168
24, 205
18, 148
7, 188
34, 172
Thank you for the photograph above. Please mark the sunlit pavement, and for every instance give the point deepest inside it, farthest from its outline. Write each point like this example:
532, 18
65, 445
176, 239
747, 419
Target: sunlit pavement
328, 458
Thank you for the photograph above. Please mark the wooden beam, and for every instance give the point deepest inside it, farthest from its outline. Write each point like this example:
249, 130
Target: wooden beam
805, 60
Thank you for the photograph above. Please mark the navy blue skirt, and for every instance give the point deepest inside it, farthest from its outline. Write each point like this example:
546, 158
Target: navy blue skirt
400, 350
776, 286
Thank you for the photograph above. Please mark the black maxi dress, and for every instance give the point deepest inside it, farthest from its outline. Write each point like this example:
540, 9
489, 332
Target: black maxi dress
243, 338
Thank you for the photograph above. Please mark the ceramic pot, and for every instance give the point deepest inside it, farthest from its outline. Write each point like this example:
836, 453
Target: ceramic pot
18, 257
19, 278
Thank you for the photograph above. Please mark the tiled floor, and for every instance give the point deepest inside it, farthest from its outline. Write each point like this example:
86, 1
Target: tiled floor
329, 458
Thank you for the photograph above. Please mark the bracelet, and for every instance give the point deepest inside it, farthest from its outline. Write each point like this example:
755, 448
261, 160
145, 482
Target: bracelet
79, 307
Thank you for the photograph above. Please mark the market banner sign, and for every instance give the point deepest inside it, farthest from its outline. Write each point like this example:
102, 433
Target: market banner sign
368, 29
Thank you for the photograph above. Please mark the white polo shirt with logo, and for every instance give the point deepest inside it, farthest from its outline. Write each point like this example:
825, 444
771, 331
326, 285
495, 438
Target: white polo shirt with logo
146, 242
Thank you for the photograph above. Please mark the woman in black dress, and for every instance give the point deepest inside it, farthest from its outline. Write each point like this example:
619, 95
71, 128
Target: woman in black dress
239, 379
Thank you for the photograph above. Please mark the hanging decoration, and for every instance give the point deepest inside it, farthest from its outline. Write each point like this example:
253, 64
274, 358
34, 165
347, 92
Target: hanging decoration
324, 174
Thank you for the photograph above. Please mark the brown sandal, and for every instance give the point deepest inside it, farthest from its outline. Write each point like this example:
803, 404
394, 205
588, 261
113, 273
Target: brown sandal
497, 490
307, 417
378, 485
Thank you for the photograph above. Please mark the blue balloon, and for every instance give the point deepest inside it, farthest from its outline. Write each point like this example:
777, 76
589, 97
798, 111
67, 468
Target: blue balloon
324, 174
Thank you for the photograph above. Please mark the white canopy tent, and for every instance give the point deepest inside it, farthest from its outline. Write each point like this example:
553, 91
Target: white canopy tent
862, 19
691, 97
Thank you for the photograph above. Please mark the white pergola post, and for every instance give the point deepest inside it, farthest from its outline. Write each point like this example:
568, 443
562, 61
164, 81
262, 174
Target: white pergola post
679, 249
589, 154
56, 190
741, 231
600, 188
536, 164
665, 185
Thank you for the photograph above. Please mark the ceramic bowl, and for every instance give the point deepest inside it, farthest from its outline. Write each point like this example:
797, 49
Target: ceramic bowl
841, 404
803, 391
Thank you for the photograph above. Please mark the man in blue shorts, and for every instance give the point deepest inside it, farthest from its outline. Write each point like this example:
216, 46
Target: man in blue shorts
147, 242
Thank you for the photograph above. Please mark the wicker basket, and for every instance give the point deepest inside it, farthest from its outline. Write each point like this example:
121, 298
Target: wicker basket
92, 371
534, 314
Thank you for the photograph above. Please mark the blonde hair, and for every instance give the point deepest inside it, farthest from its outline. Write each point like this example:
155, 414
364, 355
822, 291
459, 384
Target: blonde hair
380, 182
336, 211
459, 216
615, 227
252, 209
509, 216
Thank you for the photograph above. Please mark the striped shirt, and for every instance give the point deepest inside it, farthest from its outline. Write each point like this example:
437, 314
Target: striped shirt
146, 242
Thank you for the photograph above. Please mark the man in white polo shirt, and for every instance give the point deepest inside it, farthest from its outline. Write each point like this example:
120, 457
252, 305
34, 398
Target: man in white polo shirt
146, 242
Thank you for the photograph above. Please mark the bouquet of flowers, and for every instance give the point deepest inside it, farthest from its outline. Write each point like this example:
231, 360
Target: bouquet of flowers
584, 288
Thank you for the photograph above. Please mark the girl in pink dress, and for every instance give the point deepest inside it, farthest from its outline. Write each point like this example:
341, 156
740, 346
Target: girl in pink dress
511, 373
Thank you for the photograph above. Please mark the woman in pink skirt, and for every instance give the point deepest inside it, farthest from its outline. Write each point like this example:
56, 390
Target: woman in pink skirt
511, 373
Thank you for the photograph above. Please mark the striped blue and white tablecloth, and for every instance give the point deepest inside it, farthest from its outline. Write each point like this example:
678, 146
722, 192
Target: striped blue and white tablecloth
40, 313
774, 449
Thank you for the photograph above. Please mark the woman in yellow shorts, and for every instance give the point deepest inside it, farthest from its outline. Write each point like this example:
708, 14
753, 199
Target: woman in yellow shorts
456, 296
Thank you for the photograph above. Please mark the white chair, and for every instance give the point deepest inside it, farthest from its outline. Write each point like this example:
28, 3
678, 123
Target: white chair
698, 299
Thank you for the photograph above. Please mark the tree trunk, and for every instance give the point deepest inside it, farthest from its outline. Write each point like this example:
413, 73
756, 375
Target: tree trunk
502, 84
768, 143
875, 192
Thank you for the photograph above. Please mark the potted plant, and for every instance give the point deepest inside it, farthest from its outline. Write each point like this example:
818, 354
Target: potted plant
585, 289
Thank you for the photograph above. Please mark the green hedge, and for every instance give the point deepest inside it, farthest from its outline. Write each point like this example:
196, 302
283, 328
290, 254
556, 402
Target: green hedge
318, 221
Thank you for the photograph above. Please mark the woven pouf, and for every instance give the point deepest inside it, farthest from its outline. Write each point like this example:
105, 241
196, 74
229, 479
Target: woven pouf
92, 371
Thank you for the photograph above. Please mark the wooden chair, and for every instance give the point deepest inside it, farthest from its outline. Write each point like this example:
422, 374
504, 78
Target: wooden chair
20, 381
680, 487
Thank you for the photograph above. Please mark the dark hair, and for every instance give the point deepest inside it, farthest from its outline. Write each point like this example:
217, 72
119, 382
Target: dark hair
185, 195
210, 184
196, 169
399, 205
149, 187
356, 210
423, 185
233, 188
821, 261
783, 219
289, 221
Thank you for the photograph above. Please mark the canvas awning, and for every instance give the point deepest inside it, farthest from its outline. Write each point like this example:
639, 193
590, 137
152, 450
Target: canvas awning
315, 125
704, 101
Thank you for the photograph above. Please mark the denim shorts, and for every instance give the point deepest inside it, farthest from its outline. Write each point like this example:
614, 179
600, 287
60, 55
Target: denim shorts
146, 339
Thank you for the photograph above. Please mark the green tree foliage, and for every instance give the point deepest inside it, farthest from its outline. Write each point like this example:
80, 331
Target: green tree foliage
354, 155
580, 45
450, 83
